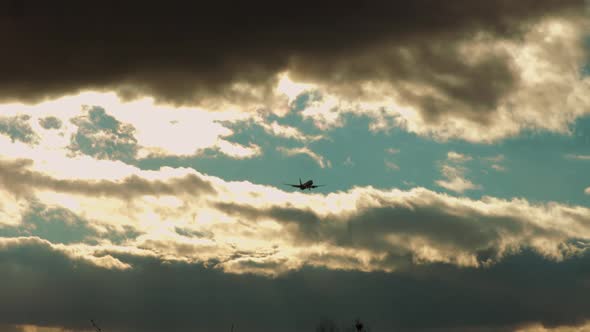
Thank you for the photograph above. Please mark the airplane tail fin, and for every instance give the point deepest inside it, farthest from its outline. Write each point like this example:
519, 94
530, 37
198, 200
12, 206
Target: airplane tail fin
300, 182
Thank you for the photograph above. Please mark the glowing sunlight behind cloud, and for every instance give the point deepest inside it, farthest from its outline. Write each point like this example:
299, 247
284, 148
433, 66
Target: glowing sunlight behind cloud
290, 88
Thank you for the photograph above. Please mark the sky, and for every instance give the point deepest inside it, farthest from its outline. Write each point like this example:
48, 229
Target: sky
146, 151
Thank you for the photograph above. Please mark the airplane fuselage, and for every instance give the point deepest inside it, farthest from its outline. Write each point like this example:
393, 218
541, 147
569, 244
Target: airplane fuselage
305, 185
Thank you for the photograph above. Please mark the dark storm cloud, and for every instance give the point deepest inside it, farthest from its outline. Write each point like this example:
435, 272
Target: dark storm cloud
102, 136
50, 122
42, 286
17, 178
18, 129
184, 53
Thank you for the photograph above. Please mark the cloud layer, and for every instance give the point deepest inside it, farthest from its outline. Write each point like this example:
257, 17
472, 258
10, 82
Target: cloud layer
507, 297
206, 247
237, 224
86, 231
444, 69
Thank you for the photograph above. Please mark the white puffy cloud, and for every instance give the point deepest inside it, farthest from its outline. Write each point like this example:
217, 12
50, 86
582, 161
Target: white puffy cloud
458, 157
320, 160
454, 173
276, 129
455, 179
238, 151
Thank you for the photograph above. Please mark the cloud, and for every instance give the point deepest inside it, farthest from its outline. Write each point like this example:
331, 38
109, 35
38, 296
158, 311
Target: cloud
390, 165
246, 242
30, 328
495, 162
470, 71
458, 157
18, 129
455, 180
56, 225
279, 130
150, 236
279, 231
73, 253
541, 328
50, 122
274, 128
587, 191
392, 151
495, 159
578, 156
490, 230
17, 177
238, 151
348, 162
498, 168
104, 127
273, 231
548, 294
320, 160
455, 174
102, 136
60, 225
436, 101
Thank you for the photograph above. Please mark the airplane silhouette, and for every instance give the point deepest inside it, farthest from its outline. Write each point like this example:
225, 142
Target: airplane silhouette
307, 185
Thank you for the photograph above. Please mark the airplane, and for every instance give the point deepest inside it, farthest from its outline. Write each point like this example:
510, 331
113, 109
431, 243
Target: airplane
307, 185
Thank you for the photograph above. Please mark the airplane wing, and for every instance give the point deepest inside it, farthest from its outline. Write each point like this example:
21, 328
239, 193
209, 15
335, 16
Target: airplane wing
318, 185
292, 185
